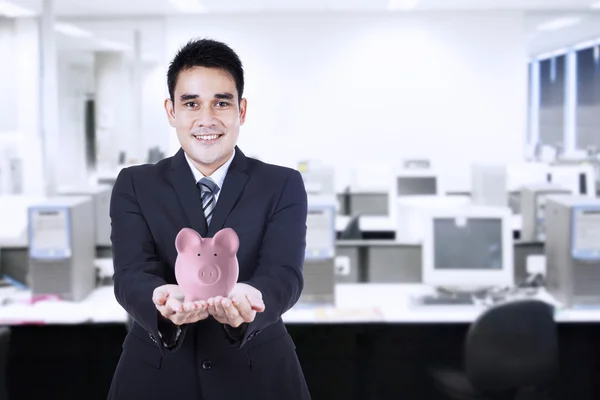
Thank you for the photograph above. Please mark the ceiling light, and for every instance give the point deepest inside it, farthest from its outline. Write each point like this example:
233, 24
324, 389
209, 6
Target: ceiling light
596, 5
114, 46
71, 30
403, 4
11, 10
559, 23
188, 6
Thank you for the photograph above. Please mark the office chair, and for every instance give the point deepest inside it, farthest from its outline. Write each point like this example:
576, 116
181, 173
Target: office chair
511, 353
4, 342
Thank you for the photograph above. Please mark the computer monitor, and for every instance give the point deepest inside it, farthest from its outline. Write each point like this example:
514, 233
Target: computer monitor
468, 248
411, 214
580, 179
417, 182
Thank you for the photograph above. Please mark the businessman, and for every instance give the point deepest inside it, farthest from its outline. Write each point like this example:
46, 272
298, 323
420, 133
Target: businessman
229, 348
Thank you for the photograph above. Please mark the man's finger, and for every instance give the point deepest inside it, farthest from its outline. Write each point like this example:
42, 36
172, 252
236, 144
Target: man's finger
165, 311
174, 304
232, 313
160, 297
219, 309
244, 308
257, 304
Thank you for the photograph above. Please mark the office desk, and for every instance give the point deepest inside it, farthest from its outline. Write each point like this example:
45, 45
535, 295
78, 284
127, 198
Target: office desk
355, 303
373, 345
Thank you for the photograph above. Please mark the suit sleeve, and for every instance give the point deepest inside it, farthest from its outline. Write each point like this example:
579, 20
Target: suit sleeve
278, 275
138, 270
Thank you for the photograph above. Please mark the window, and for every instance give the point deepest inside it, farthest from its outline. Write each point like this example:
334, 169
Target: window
552, 101
588, 98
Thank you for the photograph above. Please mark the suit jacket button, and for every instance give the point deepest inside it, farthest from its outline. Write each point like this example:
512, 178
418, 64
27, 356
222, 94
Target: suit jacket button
206, 365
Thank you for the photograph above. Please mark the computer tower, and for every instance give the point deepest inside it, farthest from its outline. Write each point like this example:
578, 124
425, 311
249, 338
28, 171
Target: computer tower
62, 247
319, 262
533, 204
101, 198
573, 250
489, 185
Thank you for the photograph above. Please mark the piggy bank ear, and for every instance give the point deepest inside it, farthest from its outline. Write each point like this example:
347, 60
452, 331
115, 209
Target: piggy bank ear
187, 239
227, 240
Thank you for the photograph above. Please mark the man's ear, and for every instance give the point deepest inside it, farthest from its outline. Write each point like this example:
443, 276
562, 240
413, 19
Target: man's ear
170, 110
243, 108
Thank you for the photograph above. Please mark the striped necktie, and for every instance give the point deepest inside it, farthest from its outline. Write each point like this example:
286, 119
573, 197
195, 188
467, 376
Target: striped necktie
208, 190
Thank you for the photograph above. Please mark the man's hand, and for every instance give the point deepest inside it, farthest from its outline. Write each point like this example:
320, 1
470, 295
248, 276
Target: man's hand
168, 300
240, 307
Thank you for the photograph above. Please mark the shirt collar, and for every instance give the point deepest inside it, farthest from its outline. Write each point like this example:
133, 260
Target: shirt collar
217, 177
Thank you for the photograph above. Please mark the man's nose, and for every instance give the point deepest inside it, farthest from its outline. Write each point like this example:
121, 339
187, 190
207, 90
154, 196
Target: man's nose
204, 116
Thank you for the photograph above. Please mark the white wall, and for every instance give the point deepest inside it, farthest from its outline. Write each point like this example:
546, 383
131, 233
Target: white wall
347, 88
8, 89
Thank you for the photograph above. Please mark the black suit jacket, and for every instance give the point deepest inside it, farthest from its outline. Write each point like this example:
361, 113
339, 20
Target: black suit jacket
267, 207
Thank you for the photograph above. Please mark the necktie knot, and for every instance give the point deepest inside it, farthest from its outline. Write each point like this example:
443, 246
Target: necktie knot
207, 185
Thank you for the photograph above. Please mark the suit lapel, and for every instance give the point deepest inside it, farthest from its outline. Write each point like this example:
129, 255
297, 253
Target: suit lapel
233, 186
188, 193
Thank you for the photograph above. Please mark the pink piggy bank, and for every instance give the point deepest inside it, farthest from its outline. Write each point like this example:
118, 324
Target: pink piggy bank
206, 267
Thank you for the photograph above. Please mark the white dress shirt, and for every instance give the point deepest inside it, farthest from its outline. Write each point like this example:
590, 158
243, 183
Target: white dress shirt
218, 177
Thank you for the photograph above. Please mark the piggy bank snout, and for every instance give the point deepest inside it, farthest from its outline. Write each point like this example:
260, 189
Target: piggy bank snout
209, 274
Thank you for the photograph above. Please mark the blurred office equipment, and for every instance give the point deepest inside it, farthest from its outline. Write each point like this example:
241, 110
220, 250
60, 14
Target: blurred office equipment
319, 179
578, 178
416, 163
393, 262
489, 185
412, 213
14, 236
520, 175
511, 353
417, 182
367, 203
319, 262
100, 195
351, 261
61, 247
155, 154
533, 204
468, 248
371, 189
573, 249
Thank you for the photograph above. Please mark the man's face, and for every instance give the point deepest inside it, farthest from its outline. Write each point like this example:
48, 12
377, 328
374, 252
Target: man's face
207, 116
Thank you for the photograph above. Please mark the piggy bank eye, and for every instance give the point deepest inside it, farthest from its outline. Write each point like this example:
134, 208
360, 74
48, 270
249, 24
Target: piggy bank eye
215, 254
198, 254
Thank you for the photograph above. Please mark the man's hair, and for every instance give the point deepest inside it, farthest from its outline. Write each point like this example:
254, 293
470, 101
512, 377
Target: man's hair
206, 53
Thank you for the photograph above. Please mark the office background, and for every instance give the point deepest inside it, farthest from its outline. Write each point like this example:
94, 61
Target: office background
343, 90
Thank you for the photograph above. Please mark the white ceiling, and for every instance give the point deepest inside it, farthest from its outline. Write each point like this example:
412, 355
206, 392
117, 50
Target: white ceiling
96, 16
98, 8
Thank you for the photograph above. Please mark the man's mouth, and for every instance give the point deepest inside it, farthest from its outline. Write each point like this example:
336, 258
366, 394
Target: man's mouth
208, 138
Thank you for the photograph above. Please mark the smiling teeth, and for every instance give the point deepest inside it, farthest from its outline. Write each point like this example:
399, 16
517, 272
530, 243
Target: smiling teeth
208, 137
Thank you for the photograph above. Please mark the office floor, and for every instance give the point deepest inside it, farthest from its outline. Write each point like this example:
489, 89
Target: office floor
362, 362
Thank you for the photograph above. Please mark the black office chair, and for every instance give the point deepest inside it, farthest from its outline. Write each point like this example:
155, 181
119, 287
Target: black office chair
511, 353
4, 342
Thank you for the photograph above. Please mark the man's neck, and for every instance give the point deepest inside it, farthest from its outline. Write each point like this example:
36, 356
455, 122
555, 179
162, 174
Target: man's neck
208, 170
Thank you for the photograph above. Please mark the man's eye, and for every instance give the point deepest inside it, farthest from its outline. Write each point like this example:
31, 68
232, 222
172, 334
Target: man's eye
190, 104
222, 104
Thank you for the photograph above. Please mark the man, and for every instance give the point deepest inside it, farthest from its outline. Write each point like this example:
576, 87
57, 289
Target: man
226, 348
